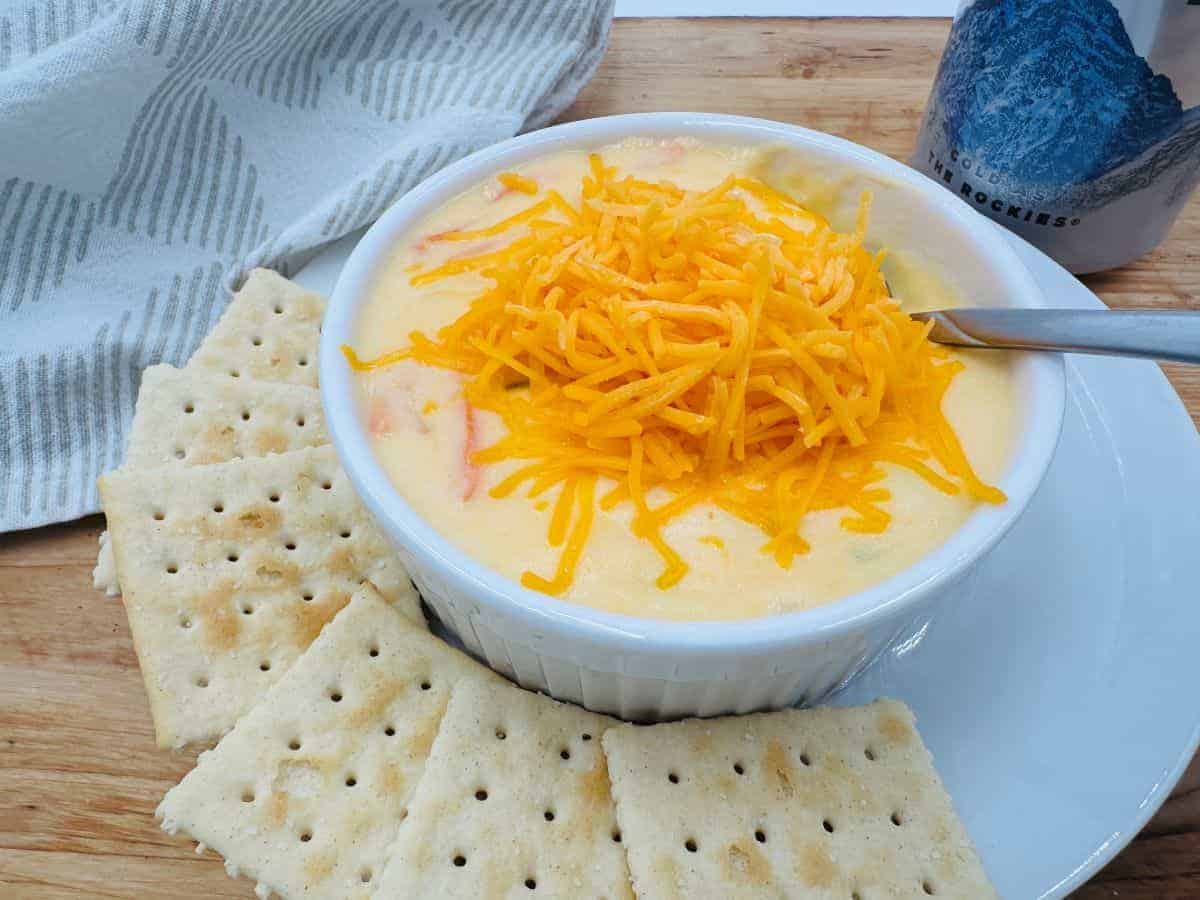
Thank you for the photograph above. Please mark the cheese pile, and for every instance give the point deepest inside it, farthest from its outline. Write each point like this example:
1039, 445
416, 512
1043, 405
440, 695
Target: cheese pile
667, 348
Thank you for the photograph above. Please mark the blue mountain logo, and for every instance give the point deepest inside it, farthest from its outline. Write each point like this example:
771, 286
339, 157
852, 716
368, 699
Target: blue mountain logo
1052, 97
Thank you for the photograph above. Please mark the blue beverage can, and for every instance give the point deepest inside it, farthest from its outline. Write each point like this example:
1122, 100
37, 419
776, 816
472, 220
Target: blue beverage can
1074, 123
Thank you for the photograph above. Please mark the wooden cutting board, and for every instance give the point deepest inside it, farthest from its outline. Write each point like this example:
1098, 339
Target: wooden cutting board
79, 773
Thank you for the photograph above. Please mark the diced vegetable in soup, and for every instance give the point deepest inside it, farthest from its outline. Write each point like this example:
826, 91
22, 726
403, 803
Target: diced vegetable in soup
649, 380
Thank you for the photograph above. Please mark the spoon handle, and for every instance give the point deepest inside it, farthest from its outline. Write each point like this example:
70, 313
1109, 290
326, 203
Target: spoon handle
1173, 335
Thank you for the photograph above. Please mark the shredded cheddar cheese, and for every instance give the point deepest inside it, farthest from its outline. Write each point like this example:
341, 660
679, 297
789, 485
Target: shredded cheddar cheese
515, 182
668, 348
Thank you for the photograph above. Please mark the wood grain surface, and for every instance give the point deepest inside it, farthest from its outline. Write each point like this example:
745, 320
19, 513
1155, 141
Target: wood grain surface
79, 773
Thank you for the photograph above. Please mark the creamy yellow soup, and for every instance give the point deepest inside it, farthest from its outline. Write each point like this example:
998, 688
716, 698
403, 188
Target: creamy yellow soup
422, 431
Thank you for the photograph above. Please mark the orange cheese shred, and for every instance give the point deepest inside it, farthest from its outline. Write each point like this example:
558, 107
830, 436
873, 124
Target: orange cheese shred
673, 347
515, 182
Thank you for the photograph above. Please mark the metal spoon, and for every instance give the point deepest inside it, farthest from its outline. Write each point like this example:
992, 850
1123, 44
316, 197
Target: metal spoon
1173, 336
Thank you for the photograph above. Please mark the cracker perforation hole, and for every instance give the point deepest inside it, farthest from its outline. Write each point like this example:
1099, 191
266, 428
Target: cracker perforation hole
234, 373
739, 768
200, 681
159, 515
760, 836
564, 754
247, 609
928, 888
218, 507
459, 860
185, 622
326, 485
548, 815
294, 744
531, 884
828, 826
616, 836
805, 759
189, 408
481, 795
344, 534
351, 781
869, 753
172, 569
180, 453
897, 819
673, 778
256, 341
585, 736
426, 685
273, 496
389, 731
302, 361
245, 415
690, 845
335, 696
247, 796
264, 666
307, 596
501, 734
300, 422
232, 557
365, 876
278, 309
290, 545
305, 836
373, 652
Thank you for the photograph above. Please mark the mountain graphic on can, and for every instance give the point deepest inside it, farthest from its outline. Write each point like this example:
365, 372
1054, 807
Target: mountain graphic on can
1045, 117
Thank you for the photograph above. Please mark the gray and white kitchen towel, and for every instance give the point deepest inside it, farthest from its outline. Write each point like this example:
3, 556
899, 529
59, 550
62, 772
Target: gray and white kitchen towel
153, 151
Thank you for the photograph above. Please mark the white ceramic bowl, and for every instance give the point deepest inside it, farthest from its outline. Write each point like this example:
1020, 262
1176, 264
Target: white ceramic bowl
648, 669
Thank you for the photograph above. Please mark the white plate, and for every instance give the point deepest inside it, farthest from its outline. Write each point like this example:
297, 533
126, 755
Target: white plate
1059, 696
